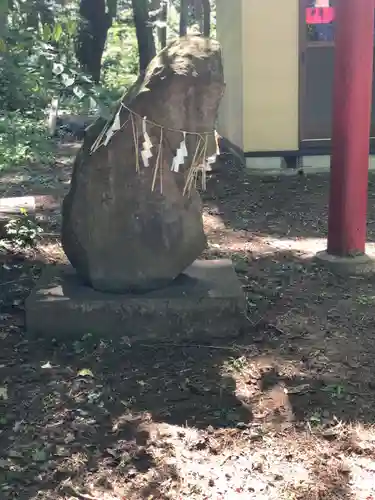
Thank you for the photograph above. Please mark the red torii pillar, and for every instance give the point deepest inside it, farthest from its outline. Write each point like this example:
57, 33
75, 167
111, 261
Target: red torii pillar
352, 95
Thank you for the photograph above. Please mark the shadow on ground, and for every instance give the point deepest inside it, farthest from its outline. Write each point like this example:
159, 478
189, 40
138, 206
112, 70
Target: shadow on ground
278, 206
87, 411
101, 415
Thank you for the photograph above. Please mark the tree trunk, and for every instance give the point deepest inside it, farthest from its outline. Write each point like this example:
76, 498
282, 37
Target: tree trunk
112, 8
184, 15
206, 18
201, 11
38, 10
162, 30
145, 36
92, 35
4, 7
197, 13
159, 11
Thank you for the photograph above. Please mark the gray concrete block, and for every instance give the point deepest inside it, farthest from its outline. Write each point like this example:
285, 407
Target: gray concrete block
206, 301
356, 265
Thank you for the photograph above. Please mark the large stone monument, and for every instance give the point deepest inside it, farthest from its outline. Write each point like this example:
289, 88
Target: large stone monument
132, 221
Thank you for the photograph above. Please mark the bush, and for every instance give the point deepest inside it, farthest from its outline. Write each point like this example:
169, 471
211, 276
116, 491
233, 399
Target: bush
120, 59
23, 140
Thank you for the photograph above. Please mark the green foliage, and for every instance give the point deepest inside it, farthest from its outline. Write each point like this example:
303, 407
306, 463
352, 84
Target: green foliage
27, 85
120, 58
22, 79
23, 140
22, 231
38, 63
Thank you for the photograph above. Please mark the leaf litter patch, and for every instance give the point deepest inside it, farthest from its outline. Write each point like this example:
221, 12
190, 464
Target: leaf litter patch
285, 412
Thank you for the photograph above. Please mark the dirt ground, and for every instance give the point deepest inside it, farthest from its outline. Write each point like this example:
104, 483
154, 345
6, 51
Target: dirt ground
287, 411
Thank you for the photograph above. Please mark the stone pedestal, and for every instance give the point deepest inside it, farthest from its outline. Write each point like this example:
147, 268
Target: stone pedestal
357, 265
206, 301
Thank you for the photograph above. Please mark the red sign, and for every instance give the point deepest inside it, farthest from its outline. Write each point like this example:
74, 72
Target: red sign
320, 15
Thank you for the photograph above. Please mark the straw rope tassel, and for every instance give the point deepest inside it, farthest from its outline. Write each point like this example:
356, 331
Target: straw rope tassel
97, 142
108, 131
195, 162
136, 142
190, 175
200, 163
116, 125
204, 164
161, 171
157, 164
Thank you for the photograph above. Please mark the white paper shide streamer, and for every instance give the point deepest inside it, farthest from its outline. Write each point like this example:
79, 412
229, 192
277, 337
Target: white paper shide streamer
199, 164
181, 154
146, 152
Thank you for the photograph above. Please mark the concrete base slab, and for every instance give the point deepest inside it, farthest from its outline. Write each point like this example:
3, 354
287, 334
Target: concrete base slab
273, 166
206, 301
354, 266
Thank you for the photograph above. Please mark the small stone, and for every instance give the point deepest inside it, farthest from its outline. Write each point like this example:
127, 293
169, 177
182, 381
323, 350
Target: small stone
14, 454
62, 451
242, 425
132, 473
330, 434
345, 469
242, 266
255, 436
201, 444
69, 438
258, 466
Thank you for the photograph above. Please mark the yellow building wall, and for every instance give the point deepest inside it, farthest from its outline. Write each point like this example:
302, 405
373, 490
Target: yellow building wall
230, 36
270, 40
